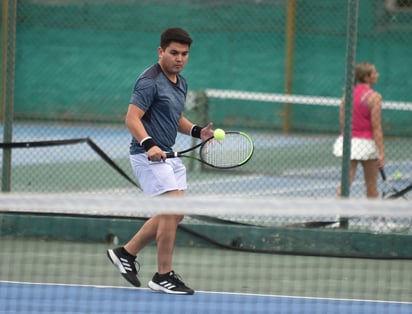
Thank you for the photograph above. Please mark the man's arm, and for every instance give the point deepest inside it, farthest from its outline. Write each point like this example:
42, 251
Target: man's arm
134, 123
185, 127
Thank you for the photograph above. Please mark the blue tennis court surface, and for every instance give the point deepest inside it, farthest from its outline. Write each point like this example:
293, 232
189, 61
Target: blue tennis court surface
52, 298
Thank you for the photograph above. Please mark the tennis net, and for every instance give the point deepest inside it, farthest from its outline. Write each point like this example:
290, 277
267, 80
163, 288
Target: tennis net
241, 255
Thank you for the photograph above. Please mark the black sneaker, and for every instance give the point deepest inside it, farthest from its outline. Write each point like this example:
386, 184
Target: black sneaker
169, 283
125, 263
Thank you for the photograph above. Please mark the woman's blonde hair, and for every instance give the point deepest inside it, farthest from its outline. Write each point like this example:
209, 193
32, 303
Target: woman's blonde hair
362, 70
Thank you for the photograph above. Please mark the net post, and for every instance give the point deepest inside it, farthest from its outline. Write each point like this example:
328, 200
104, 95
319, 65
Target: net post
353, 6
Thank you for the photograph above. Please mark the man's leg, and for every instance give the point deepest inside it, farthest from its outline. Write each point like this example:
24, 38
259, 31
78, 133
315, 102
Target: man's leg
166, 236
161, 228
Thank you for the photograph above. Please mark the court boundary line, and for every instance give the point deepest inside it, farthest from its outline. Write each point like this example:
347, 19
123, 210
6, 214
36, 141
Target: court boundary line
206, 292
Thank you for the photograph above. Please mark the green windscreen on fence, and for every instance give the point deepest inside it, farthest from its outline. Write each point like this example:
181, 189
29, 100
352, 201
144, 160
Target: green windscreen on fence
78, 60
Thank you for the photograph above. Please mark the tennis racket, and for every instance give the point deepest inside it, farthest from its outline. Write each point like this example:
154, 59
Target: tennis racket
233, 151
389, 191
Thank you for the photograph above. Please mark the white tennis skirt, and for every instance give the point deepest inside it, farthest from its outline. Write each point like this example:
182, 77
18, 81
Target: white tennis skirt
361, 148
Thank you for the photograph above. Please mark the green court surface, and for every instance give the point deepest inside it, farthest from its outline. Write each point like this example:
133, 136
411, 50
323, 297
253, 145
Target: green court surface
208, 269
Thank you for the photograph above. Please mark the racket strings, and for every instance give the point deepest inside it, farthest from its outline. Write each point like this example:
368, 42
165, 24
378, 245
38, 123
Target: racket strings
234, 150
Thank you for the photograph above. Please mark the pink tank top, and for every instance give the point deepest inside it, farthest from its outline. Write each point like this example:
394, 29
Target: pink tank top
361, 118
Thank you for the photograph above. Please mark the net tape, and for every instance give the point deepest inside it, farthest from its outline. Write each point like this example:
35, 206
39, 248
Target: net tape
296, 99
140, 206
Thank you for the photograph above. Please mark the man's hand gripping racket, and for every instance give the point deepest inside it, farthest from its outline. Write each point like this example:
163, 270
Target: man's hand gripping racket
233, 151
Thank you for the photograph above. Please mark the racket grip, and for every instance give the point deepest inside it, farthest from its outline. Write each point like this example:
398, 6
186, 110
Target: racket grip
383, 174
171, 154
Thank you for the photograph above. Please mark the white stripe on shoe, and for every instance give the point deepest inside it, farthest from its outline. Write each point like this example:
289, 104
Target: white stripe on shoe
166, 287
122, 264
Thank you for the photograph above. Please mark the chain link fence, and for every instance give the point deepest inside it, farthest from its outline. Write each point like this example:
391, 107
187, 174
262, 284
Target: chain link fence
272, 68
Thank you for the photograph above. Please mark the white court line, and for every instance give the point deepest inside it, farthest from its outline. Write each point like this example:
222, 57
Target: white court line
206, 292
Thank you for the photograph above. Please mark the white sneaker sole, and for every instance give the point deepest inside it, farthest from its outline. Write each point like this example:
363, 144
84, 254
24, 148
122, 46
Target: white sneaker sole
116, 262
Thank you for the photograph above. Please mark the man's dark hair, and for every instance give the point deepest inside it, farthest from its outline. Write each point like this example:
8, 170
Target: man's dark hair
174, 34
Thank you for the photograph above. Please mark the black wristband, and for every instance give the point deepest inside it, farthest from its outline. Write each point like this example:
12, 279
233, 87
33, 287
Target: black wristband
148, 144
195, 132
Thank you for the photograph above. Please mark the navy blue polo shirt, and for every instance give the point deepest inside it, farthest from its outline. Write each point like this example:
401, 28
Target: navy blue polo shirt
163, 103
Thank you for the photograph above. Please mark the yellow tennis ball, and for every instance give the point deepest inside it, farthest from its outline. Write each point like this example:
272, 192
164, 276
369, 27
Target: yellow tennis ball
397, 175
219, 134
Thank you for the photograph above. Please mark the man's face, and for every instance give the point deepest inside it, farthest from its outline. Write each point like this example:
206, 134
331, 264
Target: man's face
173, 58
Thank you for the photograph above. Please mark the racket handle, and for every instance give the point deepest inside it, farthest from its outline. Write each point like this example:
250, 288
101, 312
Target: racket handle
383, 174
171, 154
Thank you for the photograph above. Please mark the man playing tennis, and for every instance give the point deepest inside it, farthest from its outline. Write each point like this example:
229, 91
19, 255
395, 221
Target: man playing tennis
154, 117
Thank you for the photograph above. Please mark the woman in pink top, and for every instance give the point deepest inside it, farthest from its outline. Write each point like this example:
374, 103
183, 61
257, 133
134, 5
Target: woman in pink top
367, 137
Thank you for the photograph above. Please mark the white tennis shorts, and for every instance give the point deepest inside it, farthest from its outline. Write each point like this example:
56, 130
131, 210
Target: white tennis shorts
361, 148
158, 177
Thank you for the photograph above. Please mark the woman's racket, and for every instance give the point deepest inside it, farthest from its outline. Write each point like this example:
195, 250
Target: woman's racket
389, 191
233, 151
